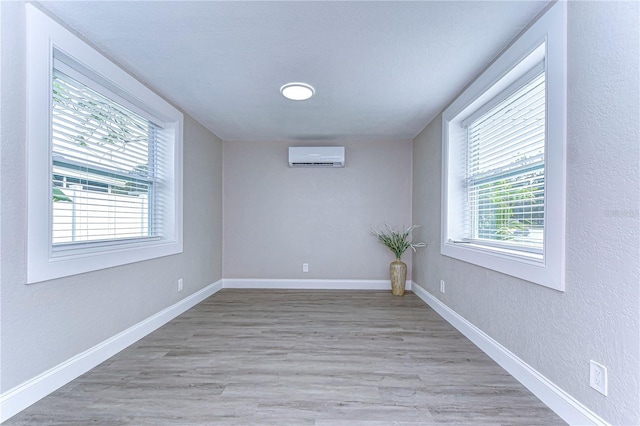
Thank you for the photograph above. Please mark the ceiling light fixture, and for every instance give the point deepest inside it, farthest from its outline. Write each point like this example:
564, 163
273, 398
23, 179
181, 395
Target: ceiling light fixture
297, 91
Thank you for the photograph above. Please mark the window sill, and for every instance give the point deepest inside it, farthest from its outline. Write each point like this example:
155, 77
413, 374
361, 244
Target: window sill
527, 266
44, 268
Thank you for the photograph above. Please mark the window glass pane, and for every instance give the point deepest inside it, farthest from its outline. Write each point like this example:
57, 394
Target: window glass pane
506, 170
103, 167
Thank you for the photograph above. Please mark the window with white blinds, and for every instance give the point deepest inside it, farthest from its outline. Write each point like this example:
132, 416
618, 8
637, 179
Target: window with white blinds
105, 168
504, 160
505, 168
104, 158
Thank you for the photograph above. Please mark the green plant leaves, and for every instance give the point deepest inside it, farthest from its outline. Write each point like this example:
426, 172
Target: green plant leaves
398, 242
59, 196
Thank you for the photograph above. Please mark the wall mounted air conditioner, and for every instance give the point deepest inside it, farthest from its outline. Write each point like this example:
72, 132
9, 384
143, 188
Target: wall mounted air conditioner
316, 156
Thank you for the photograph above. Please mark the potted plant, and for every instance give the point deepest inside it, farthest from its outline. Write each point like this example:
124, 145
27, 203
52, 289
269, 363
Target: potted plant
398, 242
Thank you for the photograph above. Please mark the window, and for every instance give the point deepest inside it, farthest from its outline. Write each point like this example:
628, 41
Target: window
505, 168
503, 160
104, 154
104, 162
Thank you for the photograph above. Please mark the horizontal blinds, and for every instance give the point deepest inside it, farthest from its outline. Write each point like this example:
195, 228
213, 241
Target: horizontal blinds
104, 159
506, 169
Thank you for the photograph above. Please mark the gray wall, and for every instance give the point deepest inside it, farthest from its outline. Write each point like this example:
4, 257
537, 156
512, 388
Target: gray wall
276, 217
597, 317
45, 324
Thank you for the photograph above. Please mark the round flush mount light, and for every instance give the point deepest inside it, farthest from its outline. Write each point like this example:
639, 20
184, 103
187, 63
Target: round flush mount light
297, 91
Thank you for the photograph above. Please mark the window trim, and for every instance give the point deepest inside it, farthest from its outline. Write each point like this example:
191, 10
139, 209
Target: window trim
44, 35
549, 271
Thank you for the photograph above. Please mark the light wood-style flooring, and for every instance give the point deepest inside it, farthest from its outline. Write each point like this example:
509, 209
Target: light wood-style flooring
285, 357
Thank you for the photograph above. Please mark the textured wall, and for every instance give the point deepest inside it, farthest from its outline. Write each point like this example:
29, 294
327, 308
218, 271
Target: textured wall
276, 217
45, 324
597, 317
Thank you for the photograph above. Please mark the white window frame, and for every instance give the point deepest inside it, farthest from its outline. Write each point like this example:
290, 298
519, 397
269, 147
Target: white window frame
547, 269
44, 35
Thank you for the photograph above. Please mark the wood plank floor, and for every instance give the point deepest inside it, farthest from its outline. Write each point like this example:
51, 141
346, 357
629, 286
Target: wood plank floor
283, 357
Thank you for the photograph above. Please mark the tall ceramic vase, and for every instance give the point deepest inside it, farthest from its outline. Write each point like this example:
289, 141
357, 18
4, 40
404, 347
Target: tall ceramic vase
398, 271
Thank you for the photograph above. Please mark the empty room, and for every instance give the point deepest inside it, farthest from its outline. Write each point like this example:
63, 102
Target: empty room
320, 212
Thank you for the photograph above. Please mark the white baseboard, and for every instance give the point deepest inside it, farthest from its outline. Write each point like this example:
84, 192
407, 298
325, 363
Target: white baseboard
290, 284
563, 404
17, 399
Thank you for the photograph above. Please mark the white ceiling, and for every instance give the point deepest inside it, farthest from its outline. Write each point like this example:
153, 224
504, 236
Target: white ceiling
381, 70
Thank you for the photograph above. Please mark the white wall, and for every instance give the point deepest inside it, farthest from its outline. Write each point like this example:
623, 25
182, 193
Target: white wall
47, 323
598, 315
276, 217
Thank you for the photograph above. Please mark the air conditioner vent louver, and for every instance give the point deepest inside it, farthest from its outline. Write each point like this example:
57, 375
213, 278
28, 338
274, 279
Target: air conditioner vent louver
313, 164
316, 156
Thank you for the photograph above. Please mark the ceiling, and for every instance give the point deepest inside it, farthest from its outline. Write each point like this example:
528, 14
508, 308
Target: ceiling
381, 70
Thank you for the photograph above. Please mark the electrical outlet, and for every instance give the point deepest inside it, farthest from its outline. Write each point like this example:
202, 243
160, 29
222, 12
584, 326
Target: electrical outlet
598, 377
180, 284
442, 286
305, 267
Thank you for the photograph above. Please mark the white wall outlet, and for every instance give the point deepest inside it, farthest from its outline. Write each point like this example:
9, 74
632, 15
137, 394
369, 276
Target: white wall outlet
305, 267
180, 284
442, 286
598, 377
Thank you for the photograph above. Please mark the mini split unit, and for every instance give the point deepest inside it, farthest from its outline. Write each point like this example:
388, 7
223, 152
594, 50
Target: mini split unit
316, 156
